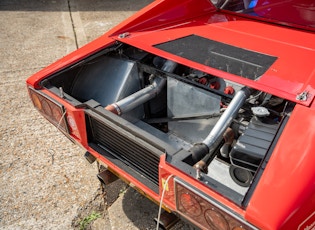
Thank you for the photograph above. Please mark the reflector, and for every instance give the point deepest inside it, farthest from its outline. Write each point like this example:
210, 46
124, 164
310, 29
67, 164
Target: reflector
190, 204
204, 212
36, 101
46, 108
216, 220
57, 114
52, 110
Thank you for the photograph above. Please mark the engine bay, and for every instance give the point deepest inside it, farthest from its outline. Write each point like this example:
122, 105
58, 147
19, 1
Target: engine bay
215, 130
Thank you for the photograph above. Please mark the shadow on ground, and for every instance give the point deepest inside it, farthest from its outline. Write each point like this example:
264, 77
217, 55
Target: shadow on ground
54, 5
146, 210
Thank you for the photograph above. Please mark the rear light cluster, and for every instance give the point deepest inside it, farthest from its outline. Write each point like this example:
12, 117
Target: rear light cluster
51, 110
203, 213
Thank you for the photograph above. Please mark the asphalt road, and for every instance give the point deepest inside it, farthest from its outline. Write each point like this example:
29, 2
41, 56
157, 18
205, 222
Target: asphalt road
45, 183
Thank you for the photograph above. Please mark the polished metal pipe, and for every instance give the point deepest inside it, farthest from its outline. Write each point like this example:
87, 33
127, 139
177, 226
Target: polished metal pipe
207, 147
132, 101
215, 136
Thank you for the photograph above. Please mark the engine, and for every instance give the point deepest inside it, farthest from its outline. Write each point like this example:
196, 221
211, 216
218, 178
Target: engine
213, 129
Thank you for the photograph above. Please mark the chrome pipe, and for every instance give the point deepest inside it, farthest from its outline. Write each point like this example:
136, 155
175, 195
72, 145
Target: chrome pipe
141, 96
211, 142
216, 134
132, 101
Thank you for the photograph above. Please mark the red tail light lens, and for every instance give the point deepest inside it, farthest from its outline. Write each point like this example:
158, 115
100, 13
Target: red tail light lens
190, 204
216, 220
50, 109
205, 213
46, 108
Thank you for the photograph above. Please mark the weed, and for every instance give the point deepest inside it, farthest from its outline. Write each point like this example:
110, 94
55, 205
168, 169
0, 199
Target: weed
87, 220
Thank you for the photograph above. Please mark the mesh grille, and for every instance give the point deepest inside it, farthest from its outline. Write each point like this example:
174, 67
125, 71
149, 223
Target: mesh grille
125, 146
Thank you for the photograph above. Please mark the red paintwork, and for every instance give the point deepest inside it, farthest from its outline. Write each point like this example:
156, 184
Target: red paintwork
298, 13
285, 195
161, 14
166, 170
286, 44
78, 114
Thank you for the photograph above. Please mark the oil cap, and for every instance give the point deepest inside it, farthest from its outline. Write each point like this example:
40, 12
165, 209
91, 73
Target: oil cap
260, 111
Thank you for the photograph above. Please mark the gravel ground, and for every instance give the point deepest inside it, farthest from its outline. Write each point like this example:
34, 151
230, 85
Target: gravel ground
45, 183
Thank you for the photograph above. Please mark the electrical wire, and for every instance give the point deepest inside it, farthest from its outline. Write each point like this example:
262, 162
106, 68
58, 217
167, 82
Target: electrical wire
161, 201
50, 150
63, 115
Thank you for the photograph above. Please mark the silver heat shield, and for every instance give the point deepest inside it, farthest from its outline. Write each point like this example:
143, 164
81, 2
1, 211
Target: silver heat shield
184, 100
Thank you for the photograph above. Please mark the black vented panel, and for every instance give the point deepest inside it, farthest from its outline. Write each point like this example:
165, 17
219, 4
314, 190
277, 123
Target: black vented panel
232, 59
125, 146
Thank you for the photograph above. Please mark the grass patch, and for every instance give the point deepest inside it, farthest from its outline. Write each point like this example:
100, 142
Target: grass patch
87, 220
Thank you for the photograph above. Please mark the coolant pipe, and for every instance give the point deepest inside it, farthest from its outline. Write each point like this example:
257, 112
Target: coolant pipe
143, 95
228, 137
215, 136
202, 165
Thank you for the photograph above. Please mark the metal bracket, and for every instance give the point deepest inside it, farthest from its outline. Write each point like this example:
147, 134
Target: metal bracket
302, 96
124, 35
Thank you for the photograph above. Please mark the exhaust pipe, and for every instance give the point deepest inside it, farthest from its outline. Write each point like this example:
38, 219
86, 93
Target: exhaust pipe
106, 177
89, 157
208, 146
143, 95
167, 220
202, 165
138, 98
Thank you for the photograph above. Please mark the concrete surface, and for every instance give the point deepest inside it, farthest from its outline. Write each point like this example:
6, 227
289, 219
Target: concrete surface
45, 183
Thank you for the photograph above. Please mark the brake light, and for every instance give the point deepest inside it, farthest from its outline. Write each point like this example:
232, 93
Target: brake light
50, 109
203, 212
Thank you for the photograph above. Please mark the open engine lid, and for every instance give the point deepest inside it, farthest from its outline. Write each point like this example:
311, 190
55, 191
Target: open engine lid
276, 60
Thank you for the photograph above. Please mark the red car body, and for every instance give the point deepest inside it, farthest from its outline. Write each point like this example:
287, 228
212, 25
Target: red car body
281, 193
